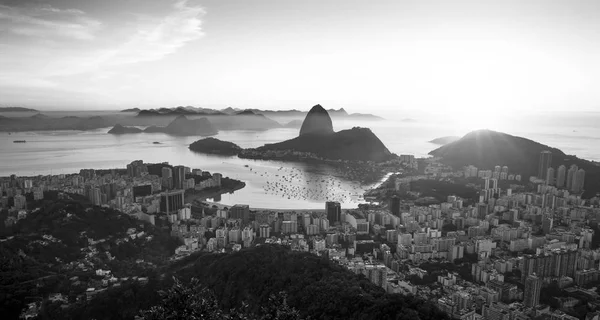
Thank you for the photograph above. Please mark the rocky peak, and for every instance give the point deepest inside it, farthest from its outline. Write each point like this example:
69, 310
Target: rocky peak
317, 121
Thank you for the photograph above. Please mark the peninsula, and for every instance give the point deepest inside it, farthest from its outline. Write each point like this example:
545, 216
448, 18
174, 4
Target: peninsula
318, 141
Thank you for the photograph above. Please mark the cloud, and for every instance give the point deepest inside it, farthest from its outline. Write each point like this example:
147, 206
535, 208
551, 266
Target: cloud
52, 47
165, 36
47, 21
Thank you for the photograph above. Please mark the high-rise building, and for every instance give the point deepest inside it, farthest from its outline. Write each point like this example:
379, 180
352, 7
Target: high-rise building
547, 223
136, 168
571, 176
167, 178
578, 181
178, 177
545, 163
20, 202
533, 286
395, 206
240, 211
265, 231
560, 176
550, 176
171, 201
334, 211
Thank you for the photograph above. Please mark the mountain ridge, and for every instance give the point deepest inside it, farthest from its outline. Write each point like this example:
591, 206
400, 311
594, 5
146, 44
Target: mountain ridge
486, 149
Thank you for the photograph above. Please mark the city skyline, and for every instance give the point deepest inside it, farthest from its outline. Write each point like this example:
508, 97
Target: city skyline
64, 54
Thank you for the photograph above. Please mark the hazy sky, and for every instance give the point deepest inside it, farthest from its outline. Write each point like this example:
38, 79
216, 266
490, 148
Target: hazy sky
484, 57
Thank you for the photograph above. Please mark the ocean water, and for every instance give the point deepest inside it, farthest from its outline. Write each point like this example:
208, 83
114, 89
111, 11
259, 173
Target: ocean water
272, 184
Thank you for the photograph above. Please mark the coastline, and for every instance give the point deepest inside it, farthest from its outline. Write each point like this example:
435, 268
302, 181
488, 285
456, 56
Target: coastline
192, 195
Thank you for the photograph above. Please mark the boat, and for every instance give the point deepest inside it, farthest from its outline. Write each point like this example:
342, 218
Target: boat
19, 141
156, 142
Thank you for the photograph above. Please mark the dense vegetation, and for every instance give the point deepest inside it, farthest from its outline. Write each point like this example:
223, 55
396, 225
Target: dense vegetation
486, 149
315, 286
53, 244
440, 190
248, 281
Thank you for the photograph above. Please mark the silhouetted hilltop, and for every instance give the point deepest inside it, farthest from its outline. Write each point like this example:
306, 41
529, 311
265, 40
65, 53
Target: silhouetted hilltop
315, 286
486, 149
318, 138
444, 140
119, 129
317, 121
215, 146
356, 144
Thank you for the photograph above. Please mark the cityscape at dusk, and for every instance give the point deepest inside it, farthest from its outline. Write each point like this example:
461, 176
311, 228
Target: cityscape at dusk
279, 160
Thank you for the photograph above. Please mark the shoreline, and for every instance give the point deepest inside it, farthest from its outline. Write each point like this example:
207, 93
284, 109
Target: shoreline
191, 195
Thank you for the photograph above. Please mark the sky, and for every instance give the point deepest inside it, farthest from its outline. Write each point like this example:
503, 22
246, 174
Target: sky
462, 57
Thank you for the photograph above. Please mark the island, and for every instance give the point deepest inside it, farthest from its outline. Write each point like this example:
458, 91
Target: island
444, 140
215, 146
119, 129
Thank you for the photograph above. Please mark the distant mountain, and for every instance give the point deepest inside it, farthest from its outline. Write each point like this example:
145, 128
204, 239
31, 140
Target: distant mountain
444, 140
39, 116
246, 113
317, 137
178, 111
131, 110
365, 116
16, 109
183, 126
215, 146
339, 114
119, 129
230, 110
486, 149
317, 121
294, 124
154, 129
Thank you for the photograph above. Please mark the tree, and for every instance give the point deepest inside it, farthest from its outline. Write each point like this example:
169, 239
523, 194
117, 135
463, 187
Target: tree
195, 301
185, 302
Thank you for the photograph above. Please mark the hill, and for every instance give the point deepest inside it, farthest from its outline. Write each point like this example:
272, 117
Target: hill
215, 146
314, 286
318, 138
68, 238
356, 144
183, 126
294, 124
486, 149
119, 129
317, 121
131, 110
